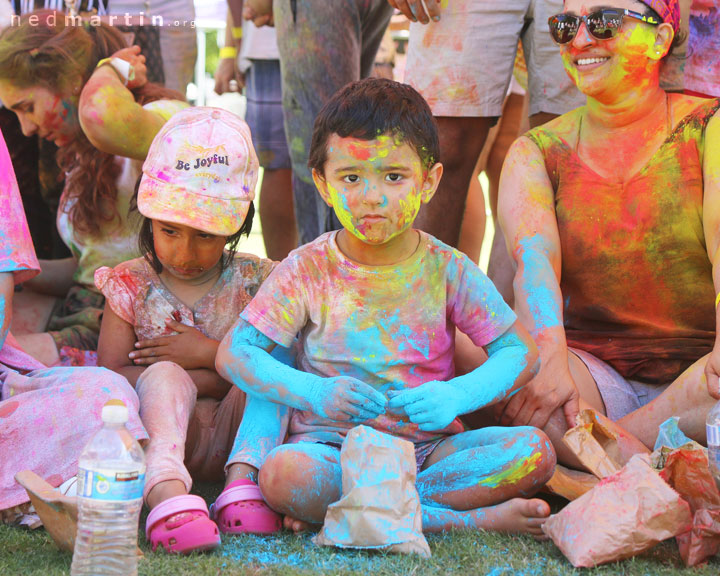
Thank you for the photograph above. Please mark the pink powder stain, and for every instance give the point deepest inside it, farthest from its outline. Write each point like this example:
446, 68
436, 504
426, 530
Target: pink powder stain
359, 152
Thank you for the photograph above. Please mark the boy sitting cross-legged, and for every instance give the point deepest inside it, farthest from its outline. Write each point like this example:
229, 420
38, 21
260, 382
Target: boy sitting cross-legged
376, 305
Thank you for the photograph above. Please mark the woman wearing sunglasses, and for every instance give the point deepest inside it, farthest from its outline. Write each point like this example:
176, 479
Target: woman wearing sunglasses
612, 215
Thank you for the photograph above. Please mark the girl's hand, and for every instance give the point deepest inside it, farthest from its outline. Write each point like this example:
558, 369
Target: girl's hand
138, 70
347, 399
190, 348
432, 406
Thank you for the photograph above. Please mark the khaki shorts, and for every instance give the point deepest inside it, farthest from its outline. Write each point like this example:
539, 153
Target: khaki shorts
462, 64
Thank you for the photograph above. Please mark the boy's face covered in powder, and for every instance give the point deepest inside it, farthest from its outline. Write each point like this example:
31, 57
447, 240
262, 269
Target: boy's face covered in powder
376, 187
50, 115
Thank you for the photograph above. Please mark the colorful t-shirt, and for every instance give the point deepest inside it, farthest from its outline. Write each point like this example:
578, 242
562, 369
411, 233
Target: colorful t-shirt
636, 279
137, 295
117, 240
392, 327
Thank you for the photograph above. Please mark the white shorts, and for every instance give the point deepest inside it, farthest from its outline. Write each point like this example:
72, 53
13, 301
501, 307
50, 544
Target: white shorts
462, 64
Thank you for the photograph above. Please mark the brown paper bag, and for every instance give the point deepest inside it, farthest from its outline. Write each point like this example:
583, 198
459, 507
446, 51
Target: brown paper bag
570, 484
379, 507
59, 513
624, 515
686, 470
601, 445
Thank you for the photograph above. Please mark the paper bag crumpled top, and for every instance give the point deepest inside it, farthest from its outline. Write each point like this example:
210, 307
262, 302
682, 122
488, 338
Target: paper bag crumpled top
600, 444
624, 515
380, 507
686, 470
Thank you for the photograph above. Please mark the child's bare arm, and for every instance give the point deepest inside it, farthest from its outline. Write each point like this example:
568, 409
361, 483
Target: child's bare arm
512, 362
244, 359
117, 339
117, 342
189, 348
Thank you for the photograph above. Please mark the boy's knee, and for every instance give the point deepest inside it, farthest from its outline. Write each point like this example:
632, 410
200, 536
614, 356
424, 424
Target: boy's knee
541, 444
279, 475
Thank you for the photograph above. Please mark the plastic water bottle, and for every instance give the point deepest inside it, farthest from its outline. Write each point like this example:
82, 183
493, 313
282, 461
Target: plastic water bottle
111, 477
712, 427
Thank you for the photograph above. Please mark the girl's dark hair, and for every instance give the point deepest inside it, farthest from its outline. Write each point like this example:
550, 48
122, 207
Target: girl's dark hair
147, 246
49, 51
370, 108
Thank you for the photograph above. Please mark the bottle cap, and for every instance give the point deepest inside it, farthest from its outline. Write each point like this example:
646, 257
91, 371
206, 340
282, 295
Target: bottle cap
114, 412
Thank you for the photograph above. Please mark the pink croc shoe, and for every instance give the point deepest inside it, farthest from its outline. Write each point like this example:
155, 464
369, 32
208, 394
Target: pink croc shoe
181, 525
241, 509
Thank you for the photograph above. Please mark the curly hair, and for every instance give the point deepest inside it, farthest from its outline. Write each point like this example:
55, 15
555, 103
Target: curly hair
50, 49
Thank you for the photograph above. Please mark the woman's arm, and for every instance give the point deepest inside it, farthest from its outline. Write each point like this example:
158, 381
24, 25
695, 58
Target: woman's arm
111, 119
711, 227
527, 213
55, 278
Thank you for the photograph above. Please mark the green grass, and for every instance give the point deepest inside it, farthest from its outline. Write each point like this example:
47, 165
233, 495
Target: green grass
33, 553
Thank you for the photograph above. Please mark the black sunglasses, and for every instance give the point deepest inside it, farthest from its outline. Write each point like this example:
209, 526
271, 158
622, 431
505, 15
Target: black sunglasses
602, 24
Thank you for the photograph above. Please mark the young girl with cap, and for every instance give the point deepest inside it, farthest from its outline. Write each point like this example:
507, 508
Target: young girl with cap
166, 313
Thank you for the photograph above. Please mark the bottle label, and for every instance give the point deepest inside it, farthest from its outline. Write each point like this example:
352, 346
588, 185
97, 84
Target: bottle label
713, 435
111, 485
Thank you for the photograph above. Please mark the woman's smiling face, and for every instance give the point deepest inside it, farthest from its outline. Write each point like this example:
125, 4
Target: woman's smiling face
627, 61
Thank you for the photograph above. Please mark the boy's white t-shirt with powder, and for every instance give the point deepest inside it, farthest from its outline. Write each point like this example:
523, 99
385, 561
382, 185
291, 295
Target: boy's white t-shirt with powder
392, 327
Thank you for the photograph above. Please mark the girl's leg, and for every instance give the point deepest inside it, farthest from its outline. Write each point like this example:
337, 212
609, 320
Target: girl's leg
167, 399
473, 479
302, 480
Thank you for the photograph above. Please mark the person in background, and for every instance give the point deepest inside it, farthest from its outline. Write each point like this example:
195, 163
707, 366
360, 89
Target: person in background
251, 58
83, 89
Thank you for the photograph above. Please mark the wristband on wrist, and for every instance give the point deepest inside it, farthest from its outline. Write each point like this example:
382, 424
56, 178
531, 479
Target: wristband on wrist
123, 68
237, 32
228, 52
717, 300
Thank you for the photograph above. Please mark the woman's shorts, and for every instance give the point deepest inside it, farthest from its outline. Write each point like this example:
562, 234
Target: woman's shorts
620, 396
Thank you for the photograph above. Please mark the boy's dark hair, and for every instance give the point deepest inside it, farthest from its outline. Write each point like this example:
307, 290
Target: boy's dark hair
370, 108
147, 246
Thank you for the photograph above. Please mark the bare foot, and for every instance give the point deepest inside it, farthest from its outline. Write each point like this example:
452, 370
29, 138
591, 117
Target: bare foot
296, 526
518, 516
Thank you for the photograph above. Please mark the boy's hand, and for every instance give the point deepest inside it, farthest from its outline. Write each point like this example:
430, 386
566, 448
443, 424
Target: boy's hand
347, 399
432, 406
190, 348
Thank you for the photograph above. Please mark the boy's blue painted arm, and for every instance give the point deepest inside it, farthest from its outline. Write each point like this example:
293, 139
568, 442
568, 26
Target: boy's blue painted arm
244, 359
512, 362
